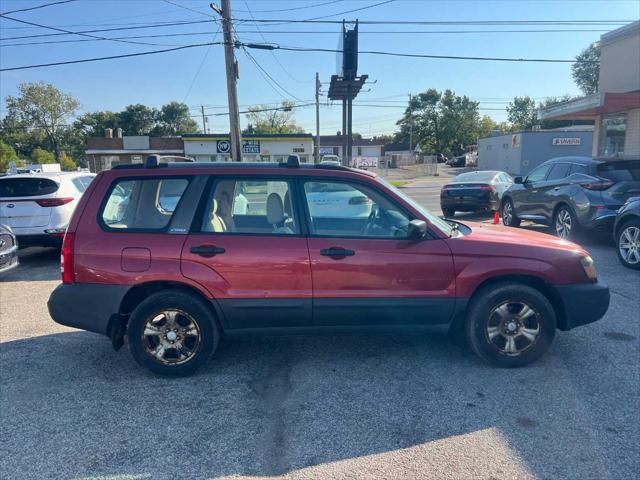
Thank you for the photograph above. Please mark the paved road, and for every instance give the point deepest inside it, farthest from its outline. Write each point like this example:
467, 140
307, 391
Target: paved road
333, 407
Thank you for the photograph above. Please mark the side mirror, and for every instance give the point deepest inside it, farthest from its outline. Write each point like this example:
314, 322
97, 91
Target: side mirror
417, 229
518, 180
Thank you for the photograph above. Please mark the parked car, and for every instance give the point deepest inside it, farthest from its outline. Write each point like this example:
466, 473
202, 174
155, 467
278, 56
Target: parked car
572, 194
174, 283
479, 191
38, 206
458, 161
626, 232
8, 249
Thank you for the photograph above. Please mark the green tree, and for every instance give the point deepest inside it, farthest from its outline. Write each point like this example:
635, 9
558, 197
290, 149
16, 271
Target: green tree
174, 118
7, 154
522, 113
93, 124
67, 163
263, 120
40, 156
486, 126
137, 119
443, 122
586, 70
43, 107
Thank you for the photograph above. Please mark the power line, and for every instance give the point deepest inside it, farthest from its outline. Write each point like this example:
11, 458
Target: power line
188, 8
110, 57
354, 10
204, 58
262, 70
37, 7
294, 8
69, 32
288, 107
441, 22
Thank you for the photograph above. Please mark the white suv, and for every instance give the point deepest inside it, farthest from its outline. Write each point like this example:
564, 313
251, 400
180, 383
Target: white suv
38, 206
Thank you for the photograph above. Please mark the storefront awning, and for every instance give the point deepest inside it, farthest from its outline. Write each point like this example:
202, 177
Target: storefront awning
587, 108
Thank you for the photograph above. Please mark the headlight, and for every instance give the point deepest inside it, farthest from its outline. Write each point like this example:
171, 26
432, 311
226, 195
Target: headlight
589, 268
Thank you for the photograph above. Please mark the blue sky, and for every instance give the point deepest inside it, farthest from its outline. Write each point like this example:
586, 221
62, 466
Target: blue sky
157, 79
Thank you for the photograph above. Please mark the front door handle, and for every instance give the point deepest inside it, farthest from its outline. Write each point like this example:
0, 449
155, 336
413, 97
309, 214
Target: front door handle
207, 250
337, 252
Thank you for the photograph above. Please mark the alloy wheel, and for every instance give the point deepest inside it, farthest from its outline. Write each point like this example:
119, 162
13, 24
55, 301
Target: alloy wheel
507, 213
564, 224
171, 337
629, 245
513, 327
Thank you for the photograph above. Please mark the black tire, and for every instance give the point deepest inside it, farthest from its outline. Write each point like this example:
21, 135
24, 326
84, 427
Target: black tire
508, 214
565, 216
189, 309
481, 313
631, 227
448, 212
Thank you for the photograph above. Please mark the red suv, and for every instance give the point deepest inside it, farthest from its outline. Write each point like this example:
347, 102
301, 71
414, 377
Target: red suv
175, 256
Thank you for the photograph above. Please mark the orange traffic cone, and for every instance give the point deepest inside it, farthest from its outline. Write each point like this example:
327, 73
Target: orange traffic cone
496, 218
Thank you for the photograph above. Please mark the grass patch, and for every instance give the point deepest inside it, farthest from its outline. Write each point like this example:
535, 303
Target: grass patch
398, 183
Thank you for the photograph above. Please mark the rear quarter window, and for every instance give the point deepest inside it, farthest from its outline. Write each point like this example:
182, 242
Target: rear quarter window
27, 187
82, 183
622, 171
142, 204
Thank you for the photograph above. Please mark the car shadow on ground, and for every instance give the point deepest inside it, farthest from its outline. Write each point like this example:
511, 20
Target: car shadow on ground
35, 264
72, 407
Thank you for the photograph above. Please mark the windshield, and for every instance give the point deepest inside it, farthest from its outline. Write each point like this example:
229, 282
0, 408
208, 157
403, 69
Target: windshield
441, 224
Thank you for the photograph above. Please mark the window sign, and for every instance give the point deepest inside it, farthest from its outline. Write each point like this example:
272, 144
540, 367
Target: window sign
223, 146
251, 146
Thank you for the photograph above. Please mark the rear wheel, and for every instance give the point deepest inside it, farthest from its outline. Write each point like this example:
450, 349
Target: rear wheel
510, 324
509, 218
565, 224
628, 243
448, 212
172, 333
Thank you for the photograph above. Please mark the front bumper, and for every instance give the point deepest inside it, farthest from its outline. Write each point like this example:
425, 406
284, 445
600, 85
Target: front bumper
88, 306
9, 259
583, 303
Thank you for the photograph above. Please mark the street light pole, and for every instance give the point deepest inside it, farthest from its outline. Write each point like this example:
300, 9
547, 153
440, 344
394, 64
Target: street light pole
317, 159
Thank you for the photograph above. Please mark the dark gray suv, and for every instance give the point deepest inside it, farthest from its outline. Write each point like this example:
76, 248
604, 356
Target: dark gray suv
572, 193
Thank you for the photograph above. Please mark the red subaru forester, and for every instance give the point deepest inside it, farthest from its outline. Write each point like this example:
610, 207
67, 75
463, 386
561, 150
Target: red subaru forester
175, 256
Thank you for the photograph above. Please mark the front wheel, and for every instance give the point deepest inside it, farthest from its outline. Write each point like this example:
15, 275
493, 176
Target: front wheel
510, 324
448, 212
628, 243
565, 223
509, 218
172, 333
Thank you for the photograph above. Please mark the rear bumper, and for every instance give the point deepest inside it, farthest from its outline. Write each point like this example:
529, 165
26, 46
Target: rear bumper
86, 306
471, 204
602, 220
583, 303
39, 240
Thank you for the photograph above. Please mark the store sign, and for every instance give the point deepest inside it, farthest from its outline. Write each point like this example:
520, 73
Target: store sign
565, 141
366, 162
515, 141
326, 150
223, 146
251, 146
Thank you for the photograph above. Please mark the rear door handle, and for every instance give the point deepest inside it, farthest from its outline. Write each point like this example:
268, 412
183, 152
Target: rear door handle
337, 252
207, 250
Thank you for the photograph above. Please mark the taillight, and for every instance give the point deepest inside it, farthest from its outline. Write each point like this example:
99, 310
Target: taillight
53, 202
360, 200
488, 188
66, 259
446, 188
597, 185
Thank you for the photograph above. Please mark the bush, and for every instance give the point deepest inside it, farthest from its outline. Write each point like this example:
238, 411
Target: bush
7, 154
67, 163
40, 156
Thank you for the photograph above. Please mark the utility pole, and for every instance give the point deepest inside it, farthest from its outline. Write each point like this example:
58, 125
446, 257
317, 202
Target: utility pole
232, 76
410, 127
317, 117
204, 120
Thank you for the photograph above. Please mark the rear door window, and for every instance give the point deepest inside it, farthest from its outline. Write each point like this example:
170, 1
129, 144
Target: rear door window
559, 171
622, 171
576, 168
142, 204
538, 174
27, 187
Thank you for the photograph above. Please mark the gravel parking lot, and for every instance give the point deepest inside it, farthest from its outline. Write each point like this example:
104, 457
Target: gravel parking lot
318, 407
